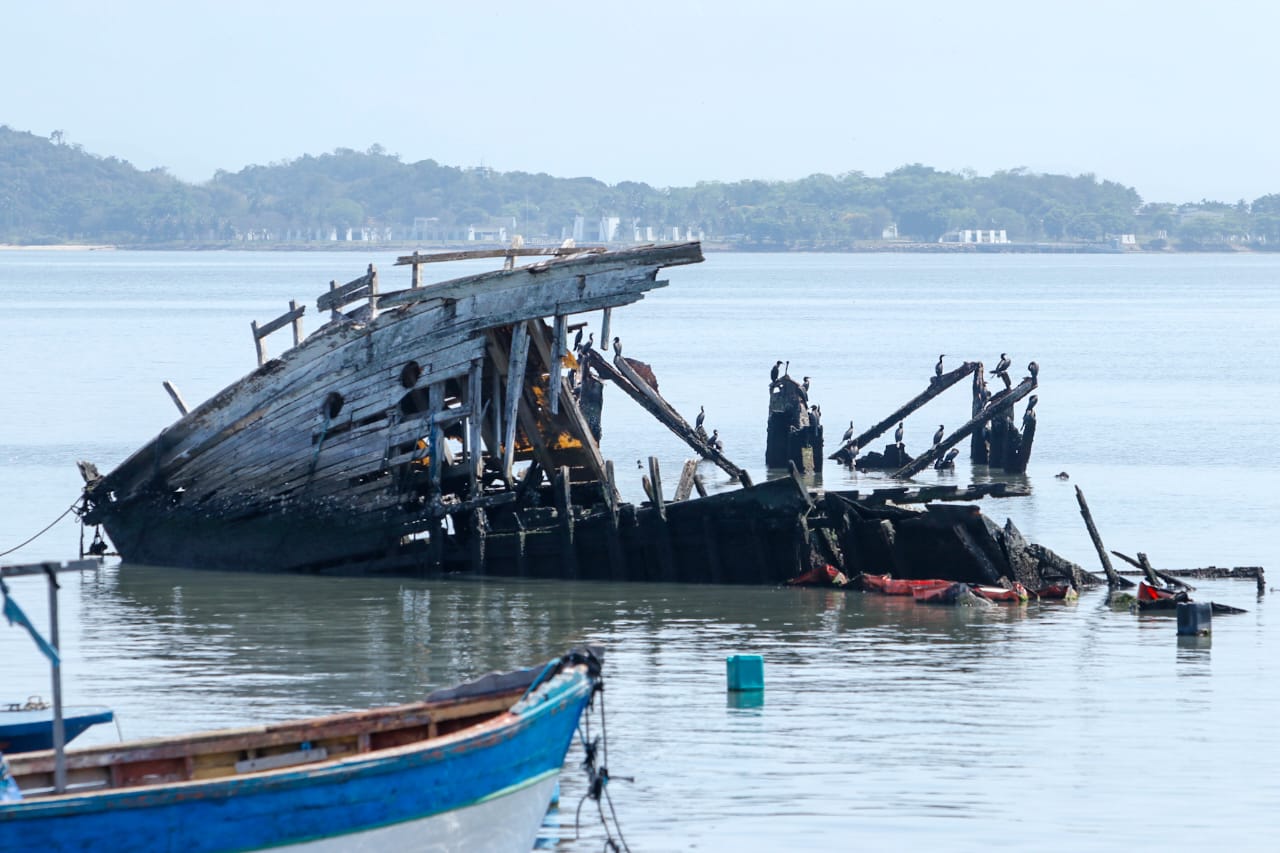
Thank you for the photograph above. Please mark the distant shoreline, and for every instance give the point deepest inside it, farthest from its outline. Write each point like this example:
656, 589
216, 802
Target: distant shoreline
58, 247
717, 246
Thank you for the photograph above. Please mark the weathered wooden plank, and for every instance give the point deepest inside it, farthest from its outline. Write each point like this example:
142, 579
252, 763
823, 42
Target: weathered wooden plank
475, 405
474, 254
176, 397
294, 314
685, 486
340, 295
515, 389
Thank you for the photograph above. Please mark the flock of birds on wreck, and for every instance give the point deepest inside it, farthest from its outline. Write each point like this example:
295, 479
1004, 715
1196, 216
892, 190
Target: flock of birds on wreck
780, 369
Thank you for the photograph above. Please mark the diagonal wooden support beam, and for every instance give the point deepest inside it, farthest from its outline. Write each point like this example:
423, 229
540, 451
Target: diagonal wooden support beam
936, 387
995, 405
654, 403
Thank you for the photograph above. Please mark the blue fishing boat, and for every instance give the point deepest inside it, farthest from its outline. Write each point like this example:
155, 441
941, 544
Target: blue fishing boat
469, 768
24, 728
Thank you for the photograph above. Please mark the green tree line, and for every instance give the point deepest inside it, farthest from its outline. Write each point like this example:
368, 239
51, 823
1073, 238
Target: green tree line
52, 191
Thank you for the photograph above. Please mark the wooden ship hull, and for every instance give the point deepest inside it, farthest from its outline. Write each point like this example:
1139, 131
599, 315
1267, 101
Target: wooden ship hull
452, 427
323, 457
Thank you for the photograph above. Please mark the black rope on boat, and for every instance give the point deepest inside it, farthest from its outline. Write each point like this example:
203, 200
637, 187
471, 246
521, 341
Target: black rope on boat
65, 512
598, 778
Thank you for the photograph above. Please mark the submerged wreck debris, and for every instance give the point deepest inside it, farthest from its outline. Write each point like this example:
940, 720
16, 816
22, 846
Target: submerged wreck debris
1156, 591
455, 427
794, 434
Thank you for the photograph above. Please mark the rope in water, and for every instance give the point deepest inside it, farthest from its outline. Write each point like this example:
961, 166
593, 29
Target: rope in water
42, 532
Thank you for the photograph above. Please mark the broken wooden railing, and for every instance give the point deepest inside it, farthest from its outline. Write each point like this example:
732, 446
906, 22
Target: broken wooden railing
293, 315
340, 296
996, 405
509, 255
621, 374
936, 386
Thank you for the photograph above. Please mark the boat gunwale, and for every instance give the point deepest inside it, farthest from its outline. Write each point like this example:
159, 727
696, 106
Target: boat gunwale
554, 695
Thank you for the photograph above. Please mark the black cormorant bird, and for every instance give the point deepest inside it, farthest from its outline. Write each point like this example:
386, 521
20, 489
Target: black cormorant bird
617, 346
577, 340
1003, 365
805, 386
591, 341
702, 416
714, 442
937, 436
773, 374
1033, 369
949, 461
898, 433
848, 434
1031, 403
937, 368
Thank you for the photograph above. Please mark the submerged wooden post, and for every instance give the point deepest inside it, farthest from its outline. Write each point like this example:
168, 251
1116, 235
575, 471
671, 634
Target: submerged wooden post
564, 506
479, 533
665, 556
617, 563
1113, 577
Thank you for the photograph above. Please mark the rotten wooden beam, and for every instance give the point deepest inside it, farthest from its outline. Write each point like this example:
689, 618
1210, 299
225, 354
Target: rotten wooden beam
997, 404
473, 254
1114, 581
685, 486
650, 400
936, 387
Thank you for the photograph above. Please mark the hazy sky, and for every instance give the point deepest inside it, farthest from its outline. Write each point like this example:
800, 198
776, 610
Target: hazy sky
1173, 98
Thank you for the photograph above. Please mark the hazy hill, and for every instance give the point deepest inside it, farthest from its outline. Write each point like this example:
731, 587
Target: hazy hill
52, 191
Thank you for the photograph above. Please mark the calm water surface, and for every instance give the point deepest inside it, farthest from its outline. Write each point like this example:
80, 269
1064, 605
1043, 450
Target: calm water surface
883, 724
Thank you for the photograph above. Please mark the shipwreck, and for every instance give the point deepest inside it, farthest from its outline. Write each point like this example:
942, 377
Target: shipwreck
455, 426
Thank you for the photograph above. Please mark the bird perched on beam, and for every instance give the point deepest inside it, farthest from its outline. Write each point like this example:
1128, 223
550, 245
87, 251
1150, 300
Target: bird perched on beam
617, 346
937, 436
937, 368
948, 461
773, 374
898, 433
1003, 365
702, 416
577, 340
848, 434
1034, 370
